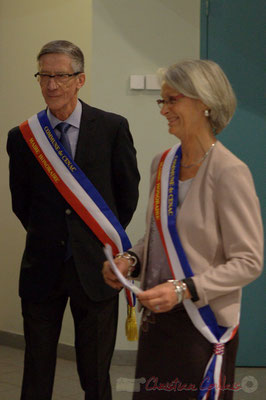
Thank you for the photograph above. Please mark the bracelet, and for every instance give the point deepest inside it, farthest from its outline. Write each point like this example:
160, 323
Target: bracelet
180, 288
131, 259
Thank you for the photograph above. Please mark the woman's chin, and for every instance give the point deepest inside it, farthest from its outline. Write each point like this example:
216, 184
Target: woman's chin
173, 131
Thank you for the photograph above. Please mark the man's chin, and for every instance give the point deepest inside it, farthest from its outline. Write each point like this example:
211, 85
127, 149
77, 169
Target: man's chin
54, 105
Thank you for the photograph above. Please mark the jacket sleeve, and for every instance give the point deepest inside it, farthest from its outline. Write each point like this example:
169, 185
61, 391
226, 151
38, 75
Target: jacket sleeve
125, 174
19, 176
241, 232
141, 247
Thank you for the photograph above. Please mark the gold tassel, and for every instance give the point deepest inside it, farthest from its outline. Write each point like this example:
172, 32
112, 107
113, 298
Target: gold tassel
131, 324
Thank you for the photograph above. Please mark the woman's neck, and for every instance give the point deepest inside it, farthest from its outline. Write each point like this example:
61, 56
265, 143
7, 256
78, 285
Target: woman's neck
194, 152
194, 147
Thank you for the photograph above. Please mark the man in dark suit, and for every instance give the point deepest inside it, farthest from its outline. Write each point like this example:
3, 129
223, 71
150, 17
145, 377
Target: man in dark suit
63, 257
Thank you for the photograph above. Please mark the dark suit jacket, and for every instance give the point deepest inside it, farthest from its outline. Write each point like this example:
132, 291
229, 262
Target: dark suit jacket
105, 153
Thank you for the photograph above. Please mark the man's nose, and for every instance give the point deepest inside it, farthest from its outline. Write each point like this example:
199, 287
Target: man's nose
52, 84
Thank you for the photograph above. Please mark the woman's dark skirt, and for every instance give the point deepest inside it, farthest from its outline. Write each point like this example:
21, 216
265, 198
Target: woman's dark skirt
172, 357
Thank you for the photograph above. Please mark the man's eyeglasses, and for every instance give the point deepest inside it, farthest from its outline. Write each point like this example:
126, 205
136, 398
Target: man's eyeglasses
60, 79
170, 101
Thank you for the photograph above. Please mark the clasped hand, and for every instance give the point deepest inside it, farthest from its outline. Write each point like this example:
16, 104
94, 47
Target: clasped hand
160, 298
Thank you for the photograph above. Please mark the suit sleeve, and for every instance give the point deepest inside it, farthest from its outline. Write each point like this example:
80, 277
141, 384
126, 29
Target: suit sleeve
125, 174
242, 237
18, 176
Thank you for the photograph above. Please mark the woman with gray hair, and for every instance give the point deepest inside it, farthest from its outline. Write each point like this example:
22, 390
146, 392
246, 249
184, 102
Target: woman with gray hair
203, 243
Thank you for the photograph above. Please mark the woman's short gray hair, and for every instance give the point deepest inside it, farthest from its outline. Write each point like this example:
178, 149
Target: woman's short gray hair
204, 80
65, 47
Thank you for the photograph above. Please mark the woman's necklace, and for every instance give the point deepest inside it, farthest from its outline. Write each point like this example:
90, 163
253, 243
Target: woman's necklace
202, 159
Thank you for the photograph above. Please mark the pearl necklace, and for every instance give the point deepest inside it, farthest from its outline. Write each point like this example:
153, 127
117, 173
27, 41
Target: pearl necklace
202, 159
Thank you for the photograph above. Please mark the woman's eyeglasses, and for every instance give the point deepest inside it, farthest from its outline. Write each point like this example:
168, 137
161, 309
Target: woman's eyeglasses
170, 101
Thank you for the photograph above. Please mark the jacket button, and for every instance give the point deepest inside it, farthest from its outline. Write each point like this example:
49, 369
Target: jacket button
68, 211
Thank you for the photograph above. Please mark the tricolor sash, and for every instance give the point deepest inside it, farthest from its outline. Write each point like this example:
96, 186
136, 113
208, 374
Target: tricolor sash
165, 211
74, 185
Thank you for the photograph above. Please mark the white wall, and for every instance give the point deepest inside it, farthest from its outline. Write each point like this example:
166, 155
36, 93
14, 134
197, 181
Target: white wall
138, 37
127, 37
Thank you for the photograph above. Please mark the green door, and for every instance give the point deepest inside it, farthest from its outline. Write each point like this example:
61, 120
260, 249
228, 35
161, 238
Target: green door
233, 35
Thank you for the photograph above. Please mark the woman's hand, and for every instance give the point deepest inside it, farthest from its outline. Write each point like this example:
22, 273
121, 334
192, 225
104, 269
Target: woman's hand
161, 298
110, 277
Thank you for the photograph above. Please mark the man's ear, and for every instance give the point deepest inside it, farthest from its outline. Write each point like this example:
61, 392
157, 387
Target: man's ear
81, 78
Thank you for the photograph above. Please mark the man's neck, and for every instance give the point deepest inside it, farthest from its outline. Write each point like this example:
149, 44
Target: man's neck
64, 113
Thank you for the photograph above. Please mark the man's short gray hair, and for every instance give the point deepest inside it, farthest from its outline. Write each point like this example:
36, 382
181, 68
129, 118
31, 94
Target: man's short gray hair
64, 47
204, 80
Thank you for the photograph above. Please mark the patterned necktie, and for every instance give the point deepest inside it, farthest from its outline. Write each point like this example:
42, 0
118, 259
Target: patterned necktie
63, 128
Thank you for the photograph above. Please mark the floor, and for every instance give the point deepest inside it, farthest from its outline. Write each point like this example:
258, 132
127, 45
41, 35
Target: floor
251, 380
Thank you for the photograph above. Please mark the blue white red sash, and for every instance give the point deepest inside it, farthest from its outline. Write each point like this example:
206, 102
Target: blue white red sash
73, 184
165, 211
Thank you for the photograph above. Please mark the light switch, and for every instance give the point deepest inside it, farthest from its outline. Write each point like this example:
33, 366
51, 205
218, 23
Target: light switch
152, 82
137, 82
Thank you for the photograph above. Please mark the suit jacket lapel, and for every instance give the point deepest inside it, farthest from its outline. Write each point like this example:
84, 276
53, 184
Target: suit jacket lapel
85, 153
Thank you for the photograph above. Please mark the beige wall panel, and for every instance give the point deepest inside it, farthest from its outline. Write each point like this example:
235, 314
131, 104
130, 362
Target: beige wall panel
24, 27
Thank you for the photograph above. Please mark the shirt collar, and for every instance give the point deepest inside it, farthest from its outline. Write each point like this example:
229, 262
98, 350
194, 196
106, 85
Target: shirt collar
73, 119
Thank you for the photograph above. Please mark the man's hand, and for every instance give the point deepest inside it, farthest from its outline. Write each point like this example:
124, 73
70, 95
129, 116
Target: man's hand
110, 277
